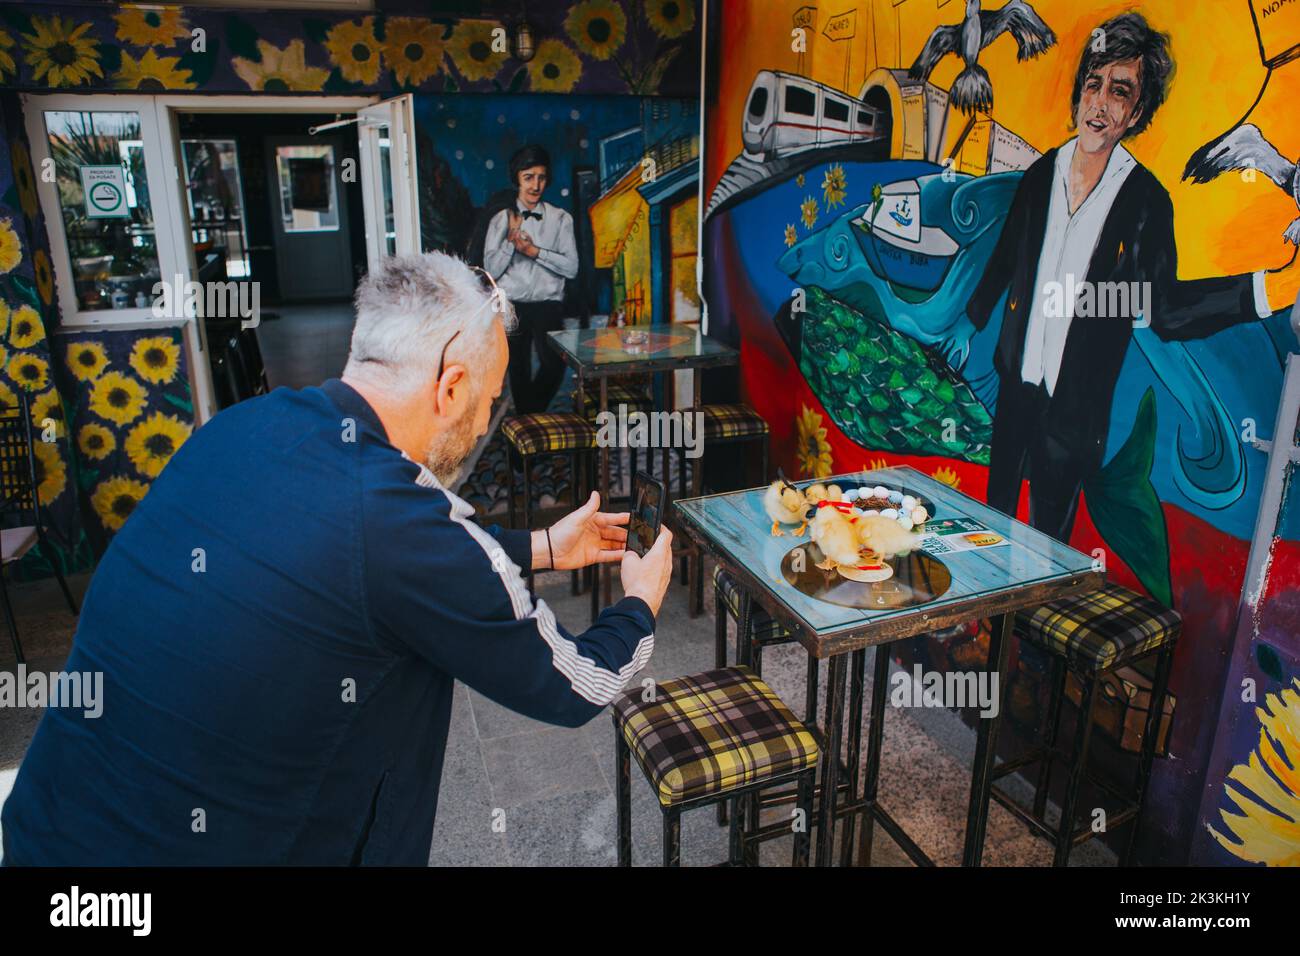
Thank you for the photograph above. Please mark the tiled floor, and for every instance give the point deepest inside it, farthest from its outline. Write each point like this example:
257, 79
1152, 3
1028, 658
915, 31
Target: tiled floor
515, 791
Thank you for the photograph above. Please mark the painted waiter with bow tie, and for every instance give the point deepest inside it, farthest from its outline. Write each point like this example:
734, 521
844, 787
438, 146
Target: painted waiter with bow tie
530, 250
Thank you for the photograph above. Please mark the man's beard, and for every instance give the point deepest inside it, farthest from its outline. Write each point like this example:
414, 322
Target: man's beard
448, 452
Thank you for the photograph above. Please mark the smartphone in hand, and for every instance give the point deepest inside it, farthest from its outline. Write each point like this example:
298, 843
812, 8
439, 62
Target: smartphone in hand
648, 500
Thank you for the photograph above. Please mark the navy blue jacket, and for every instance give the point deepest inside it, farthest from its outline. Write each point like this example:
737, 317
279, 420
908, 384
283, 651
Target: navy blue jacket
279, 625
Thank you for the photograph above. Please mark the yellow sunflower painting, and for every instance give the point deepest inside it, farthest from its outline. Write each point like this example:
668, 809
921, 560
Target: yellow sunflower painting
670, 18
413, 49
280, 71
11, 250
8, 401
51, 472
48, 407
150, 26
1266, 788
61, 52
7, 67
95, 441
29, 372
808, 212
476, 47
156, 359
87, 360
152, 72
44, 275
791, 237
555, 68
353, 48
813, 451
834, 186
115, 498
4, 320
24, 178
25, 327
117, 397
151, 444
597, 27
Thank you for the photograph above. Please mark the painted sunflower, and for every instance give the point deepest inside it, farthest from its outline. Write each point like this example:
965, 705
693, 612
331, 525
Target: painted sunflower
152, 72
670, 18
8, 401
791, 237
471, 49
95, 441
280, 71
115, 498
51, 472
598, 27
948, 476
24, 178
7, 67
353, 48
44, 275
150, 26
87, 360
11, 250
834, 186
156, 359
4, 320
25, 327
814, 451
555, 68
61, 53
413, 49
117, 397
29, 372
151, 444
808, 212
49, 406
1267, 788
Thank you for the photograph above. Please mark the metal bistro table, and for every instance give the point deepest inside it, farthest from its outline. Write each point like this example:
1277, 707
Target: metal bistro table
1024, 568
599, 353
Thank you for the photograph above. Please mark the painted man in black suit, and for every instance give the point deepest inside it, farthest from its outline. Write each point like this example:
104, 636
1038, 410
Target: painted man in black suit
1086, 253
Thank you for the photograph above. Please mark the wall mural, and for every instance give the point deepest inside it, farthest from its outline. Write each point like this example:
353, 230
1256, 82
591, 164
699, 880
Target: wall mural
27, 314
588, 46
878, 188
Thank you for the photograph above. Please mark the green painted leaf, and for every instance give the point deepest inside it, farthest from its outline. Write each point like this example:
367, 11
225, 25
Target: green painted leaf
315, 30
201, 65
242, 38
1269, 661
517, 81
1126, 509
181, 403
26, 290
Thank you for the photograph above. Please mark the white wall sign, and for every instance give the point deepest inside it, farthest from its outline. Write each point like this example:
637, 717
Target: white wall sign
105, 190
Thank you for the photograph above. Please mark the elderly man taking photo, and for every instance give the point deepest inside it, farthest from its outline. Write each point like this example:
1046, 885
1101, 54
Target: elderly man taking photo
281, 621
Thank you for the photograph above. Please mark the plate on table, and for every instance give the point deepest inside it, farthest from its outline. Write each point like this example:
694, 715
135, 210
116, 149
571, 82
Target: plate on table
917, 579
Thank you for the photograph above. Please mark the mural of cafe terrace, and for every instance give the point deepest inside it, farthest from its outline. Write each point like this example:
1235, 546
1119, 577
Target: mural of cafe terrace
650, 433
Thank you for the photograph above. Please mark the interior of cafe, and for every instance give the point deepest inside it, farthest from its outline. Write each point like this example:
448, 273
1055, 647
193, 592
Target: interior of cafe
964, 374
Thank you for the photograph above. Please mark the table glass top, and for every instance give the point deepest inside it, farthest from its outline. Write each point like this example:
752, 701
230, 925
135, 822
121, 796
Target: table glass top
670, 344
983, 551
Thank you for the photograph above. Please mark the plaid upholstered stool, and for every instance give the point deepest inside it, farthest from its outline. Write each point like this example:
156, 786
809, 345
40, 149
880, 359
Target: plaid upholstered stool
713, 737
549, 433
1092, 635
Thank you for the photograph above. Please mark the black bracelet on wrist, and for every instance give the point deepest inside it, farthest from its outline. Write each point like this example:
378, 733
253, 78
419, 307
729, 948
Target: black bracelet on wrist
549, 549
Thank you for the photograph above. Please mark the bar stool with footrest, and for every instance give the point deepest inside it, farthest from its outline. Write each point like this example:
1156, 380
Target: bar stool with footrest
1092, 635
702, 740
549, 433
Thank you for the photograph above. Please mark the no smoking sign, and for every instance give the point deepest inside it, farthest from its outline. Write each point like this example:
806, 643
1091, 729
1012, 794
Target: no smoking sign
105, 190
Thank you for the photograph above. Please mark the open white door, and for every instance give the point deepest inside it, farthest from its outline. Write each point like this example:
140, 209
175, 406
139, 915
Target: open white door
389, 184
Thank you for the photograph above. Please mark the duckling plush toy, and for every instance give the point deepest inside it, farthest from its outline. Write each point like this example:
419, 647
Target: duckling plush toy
785, 504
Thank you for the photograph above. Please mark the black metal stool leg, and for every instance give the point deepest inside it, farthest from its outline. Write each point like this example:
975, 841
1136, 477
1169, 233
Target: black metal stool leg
804, 806
719, 661
1150, 739
10, 620
623, 797
511, 521
857, 676
1042, 788
672, 837
875, 745
1078, 764
528, 511
735, 842
810, 692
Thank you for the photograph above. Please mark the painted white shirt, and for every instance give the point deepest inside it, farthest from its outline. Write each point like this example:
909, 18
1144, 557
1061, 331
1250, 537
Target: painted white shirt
1068, 245
524, 279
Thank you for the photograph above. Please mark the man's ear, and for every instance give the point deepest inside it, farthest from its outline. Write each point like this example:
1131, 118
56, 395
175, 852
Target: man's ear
451, 388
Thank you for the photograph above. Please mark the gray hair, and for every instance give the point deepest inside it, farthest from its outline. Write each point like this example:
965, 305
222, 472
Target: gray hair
407, 311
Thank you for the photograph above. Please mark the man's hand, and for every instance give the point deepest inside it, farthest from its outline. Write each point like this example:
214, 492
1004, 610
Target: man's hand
525, 245
647, 577
513, 221
583, 537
